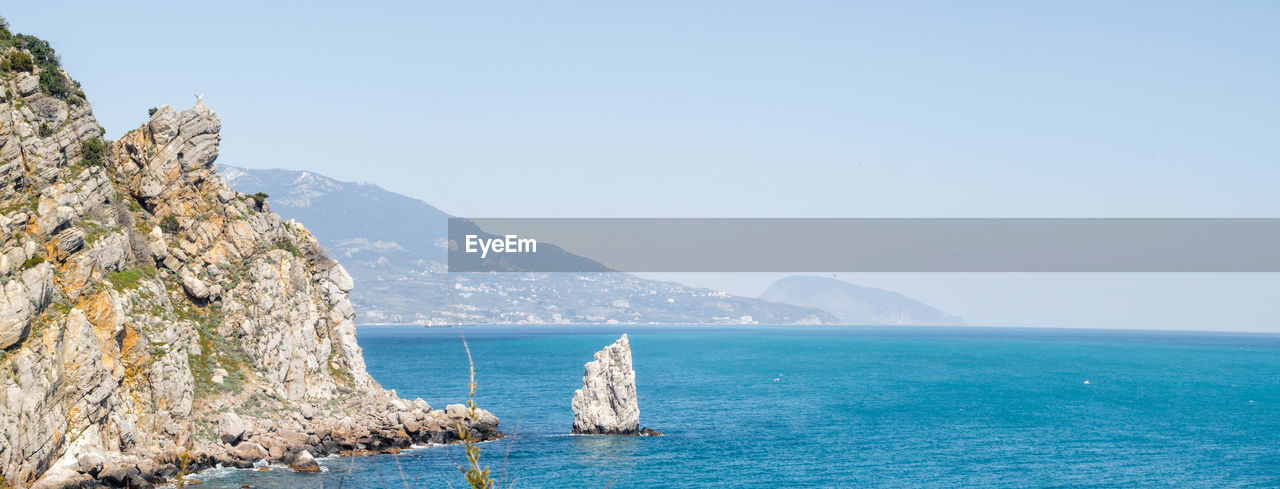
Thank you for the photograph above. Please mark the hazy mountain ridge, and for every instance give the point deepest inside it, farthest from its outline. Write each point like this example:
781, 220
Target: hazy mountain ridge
393, 246
354, 218
854, 304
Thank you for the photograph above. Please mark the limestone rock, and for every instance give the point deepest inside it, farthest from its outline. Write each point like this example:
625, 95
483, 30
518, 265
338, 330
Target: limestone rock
486, 418
71, 240
456, 411
421, 405
607, 403
124, 475
143, 304
218, 375
250, 452
90, 463
304, 462
230, 428
193, 285
21, 301
28, 84
341, 279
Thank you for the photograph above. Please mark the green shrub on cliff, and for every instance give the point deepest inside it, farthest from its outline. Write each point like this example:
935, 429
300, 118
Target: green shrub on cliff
259, 198
40, 49
216, 351
33, 261
169, 224
53, 83
93, 152
17, 61
130, 277
285, 244
30, 52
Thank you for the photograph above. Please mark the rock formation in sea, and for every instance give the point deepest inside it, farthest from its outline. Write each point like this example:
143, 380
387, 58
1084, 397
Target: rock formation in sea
607, 404
153, 318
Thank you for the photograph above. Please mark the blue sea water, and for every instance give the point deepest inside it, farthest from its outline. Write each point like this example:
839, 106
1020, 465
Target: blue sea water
853, 407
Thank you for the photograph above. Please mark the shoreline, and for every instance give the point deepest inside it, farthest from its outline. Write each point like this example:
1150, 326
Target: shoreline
282, 441
213, 473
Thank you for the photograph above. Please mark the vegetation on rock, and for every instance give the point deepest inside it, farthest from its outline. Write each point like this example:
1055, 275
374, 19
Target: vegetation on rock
169, 224
93, 152
17, 61
35, 259
27, 53
129, 278
259, 198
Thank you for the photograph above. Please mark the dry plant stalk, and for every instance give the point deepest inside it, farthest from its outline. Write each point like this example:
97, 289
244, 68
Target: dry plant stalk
477, 477
184, 459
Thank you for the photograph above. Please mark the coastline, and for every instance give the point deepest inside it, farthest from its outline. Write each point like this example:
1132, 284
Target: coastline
284, 442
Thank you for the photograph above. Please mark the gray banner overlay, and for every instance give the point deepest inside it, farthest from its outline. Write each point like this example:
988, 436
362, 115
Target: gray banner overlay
864, 245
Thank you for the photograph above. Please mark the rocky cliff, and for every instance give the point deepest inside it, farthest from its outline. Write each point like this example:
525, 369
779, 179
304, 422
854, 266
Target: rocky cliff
153, 318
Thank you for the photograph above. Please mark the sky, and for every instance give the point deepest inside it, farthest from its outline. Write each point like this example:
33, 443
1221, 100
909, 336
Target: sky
742, 109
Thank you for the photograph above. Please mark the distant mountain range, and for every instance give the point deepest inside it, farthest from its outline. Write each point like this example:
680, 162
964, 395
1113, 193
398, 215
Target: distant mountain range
853, 304
394, 247
357, 221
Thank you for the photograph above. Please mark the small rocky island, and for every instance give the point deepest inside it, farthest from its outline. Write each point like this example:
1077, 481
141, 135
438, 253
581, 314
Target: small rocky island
607, 404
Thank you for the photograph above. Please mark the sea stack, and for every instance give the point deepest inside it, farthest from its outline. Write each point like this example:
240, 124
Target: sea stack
607, 404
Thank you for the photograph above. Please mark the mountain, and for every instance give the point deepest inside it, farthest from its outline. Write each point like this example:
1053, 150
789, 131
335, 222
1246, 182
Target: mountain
394, 248
853, 304
154, 320
358, 221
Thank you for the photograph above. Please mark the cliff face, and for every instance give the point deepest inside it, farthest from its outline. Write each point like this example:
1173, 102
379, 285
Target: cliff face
143, 298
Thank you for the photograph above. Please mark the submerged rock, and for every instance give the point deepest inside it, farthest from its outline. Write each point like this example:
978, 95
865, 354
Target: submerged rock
607, 404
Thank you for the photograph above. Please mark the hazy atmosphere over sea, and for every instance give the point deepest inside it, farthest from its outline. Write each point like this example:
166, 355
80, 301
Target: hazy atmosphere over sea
816, 109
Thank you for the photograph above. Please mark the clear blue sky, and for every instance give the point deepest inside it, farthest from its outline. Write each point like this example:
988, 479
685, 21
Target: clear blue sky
717, 108
758, 109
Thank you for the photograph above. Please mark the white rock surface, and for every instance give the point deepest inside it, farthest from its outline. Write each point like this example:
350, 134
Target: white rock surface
305, 462
230, 428
607, 403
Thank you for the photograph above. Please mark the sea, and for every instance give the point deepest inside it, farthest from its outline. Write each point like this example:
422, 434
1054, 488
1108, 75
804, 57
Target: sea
831, 406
